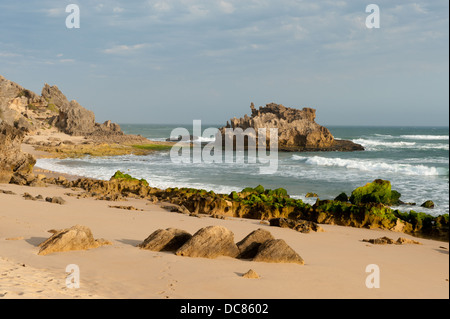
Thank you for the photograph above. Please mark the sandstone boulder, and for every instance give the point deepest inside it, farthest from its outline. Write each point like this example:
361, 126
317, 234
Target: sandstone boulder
210, 242
169, 239
55, 200
251, 274
277, 251
248, 247
75, 238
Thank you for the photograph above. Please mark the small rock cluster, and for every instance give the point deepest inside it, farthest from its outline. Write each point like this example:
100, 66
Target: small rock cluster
389, 241
208, 242
215, 241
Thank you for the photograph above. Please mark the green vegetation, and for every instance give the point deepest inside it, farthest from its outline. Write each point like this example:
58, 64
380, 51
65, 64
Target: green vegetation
379, 191
32, 107
342, 197
153, 147
52, 108
121, 176
25, 93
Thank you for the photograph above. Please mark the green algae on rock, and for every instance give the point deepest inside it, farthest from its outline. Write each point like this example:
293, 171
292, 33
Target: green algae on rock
379, 191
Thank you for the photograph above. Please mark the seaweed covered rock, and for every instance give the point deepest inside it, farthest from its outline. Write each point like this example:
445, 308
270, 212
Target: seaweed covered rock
210, 242
379, 191
426, 225
342, 197
428, 204
126, 177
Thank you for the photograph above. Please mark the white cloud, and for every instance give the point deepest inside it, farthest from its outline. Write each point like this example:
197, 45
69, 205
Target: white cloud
162, 6
54, 12
118, 9
8, 54
226, 7
125, 49
66, 60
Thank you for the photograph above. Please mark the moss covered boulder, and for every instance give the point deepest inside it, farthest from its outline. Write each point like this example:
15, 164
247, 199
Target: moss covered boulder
122, 176
379, 191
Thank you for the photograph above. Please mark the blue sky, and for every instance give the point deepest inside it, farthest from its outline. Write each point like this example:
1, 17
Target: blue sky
175, 61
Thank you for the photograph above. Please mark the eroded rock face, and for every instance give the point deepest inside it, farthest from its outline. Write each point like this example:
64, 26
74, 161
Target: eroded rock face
73, 119
210, 242
27, 110
13, 162
75, 238
15, 104
297, 129
169, 239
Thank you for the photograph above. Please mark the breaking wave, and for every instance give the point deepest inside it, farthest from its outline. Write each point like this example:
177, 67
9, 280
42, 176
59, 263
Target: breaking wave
372, 166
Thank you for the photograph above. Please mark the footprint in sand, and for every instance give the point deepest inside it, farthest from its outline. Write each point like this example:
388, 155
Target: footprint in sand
171, 283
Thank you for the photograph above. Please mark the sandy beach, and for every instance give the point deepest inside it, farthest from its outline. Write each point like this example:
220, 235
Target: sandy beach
335, 260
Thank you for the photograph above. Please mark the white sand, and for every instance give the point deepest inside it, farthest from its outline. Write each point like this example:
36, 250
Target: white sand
335, 260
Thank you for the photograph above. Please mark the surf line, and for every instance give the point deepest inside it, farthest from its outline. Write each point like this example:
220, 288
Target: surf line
232, 145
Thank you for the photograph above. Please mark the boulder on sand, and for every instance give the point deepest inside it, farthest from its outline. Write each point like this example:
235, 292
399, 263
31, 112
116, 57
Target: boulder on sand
210, 242
75, 238
169, 239
277, 251
249, 246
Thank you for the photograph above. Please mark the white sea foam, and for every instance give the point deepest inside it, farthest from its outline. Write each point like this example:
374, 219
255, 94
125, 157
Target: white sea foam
370, 165
374, 143
425, 137
371, 144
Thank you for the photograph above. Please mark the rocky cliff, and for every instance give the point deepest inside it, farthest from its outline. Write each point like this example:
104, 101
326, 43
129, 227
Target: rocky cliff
24, 109
297, 129
14, 164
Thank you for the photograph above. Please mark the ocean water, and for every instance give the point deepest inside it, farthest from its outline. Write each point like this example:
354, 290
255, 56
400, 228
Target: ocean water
414, 159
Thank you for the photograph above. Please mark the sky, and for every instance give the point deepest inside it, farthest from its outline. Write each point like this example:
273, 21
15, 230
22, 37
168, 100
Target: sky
175, 61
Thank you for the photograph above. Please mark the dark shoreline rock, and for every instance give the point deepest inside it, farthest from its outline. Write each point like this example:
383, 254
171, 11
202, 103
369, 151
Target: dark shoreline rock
265, 204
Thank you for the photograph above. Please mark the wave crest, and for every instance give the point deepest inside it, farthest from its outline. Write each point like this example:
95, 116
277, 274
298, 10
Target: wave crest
372, 166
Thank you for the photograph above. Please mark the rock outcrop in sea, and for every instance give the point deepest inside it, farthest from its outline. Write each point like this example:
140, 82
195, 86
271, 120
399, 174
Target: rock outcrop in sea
297, 129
